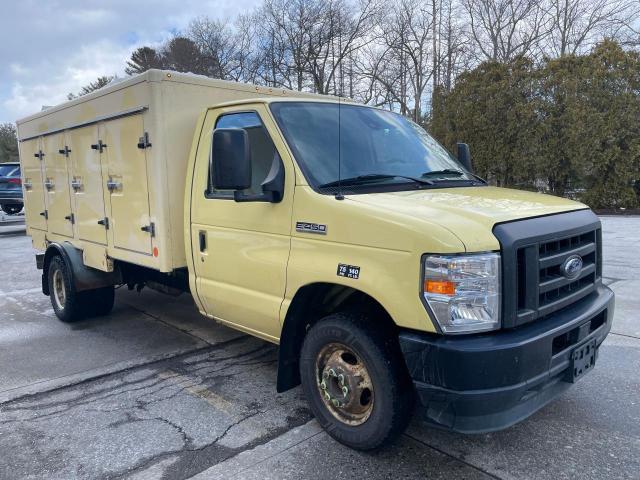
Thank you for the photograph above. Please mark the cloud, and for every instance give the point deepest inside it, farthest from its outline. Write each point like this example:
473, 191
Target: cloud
52, 48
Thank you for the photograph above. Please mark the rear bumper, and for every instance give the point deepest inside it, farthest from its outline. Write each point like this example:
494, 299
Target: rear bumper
489, 382
11, 197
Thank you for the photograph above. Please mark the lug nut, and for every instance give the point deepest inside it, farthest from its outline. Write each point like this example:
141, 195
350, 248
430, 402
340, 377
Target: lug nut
323, 385
345, 391
341, 379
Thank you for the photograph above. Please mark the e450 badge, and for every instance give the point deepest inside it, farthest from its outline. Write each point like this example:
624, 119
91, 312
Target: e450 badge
348, 271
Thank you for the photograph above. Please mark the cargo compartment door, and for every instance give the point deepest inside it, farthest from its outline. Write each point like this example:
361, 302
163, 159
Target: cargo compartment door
87, 184
56, 183
32, 159
126, 183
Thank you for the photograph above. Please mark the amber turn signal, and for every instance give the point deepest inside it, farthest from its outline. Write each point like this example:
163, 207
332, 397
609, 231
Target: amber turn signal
440, 287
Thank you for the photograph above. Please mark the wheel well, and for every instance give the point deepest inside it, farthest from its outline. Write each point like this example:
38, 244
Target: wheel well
310, 304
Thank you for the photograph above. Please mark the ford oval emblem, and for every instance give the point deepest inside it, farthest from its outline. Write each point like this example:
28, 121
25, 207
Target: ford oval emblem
571, 267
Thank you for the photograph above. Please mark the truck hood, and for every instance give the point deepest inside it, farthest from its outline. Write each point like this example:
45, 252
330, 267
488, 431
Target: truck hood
470, 213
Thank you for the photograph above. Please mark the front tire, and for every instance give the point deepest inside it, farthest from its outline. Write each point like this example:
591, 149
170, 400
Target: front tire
67, 303
355, 380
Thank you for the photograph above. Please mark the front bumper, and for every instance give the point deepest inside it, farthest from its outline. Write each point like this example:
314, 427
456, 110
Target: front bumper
488, 382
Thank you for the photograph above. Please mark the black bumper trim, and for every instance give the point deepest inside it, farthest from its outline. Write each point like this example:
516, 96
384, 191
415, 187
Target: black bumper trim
489, 382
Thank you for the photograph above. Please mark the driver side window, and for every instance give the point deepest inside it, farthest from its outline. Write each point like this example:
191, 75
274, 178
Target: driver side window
263, 151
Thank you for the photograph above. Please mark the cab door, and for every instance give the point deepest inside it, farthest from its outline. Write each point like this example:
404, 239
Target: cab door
87, 184
32, 159
241, 249
56, 183
126, 182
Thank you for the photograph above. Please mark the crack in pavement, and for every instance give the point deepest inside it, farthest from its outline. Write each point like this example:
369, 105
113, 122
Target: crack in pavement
196, 409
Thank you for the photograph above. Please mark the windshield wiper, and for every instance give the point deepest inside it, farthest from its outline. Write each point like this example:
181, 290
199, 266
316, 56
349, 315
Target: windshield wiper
446, 171
451, 171
372, 178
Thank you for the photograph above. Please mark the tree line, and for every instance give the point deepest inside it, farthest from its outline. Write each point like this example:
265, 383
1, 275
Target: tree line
536, 68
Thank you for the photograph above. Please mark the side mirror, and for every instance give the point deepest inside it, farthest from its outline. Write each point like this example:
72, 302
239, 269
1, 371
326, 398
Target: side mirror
464, 156
230, 159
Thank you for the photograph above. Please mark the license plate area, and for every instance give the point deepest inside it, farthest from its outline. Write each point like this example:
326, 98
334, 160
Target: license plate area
583, 359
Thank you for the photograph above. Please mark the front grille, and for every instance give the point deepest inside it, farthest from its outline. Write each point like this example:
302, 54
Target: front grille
534, 285
556, 291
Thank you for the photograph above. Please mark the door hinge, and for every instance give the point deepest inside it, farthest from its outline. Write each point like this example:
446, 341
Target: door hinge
143, 141
151, 229
45, 214
71, 218
65, 151
104, 222
99, 146
39, 155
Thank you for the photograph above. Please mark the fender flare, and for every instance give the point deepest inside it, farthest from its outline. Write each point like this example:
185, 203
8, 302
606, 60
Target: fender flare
82, 277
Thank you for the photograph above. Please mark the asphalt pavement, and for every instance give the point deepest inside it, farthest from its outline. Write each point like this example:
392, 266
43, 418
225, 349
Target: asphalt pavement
155, 390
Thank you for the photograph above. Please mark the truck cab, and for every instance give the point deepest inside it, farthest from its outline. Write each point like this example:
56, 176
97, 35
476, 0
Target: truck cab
385, 268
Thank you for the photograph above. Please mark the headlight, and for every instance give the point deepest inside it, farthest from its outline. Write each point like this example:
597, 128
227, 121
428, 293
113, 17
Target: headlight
463, 291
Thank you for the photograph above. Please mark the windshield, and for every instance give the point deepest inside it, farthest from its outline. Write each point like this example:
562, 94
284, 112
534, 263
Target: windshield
365, 147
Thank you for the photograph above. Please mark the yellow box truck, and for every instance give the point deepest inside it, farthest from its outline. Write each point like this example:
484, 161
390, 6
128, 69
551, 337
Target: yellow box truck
383, 267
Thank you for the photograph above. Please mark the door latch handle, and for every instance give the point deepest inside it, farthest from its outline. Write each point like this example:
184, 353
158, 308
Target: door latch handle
104, 222
113, 185
99, 146
49, 184
202, 238
76, 184
45, 214
71, 218
151, 228
65, 151
143, 141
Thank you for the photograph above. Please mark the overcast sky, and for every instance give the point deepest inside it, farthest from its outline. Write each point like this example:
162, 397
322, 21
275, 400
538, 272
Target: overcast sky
49, 48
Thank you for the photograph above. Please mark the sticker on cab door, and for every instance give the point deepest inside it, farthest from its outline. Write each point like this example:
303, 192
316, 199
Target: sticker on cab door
348, 271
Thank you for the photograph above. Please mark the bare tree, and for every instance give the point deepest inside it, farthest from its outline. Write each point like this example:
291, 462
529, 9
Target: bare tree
504, 29
576, 24
218, 46
403, 64
337, 34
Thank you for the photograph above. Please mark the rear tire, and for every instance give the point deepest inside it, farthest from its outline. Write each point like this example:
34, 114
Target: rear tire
11, 208
99, 302
67, 303
350, 351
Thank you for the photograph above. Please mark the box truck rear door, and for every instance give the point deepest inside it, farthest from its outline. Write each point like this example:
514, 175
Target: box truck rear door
32, 158
57, 185
87, 184
127, 183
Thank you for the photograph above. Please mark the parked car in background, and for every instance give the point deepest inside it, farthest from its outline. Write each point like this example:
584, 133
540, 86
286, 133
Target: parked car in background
10, 188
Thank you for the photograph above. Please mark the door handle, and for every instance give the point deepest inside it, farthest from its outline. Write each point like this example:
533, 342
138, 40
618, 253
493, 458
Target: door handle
113, 185
202, 237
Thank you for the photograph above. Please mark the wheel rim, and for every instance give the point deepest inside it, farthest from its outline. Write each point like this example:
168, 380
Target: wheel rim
344, 384
59, 291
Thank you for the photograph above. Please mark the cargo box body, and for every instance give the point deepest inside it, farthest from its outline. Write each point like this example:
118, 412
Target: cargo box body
106, 172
